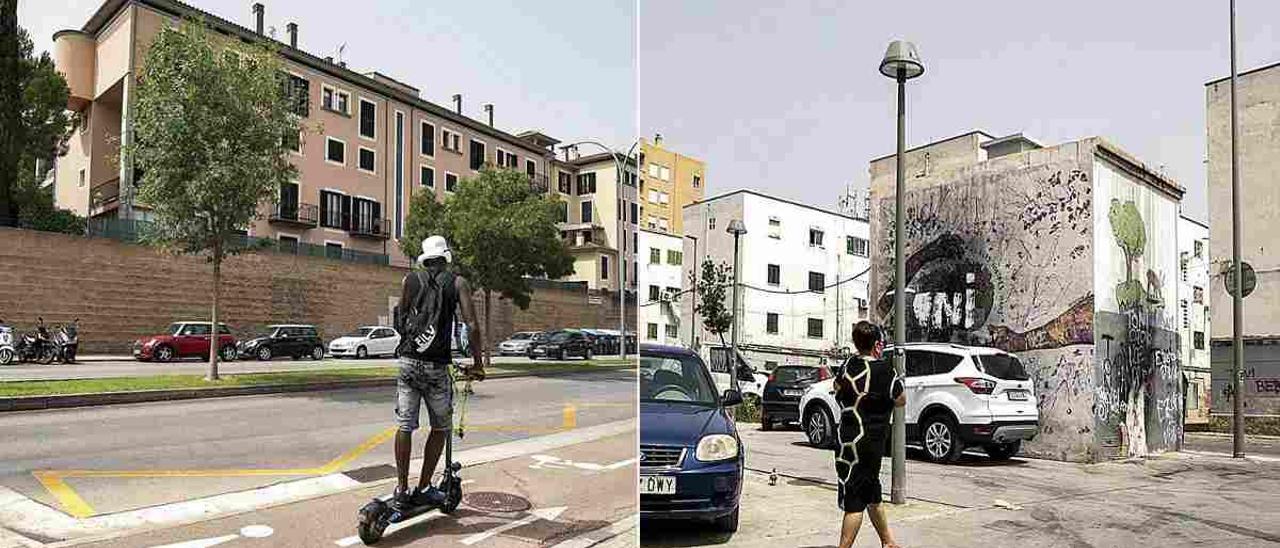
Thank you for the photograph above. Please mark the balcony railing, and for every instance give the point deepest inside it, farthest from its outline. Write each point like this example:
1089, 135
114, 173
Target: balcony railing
370, 227
104, 196
540, 182
300, 215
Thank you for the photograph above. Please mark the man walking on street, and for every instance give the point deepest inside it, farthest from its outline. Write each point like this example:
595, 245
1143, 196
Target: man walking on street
424, 318
867, 389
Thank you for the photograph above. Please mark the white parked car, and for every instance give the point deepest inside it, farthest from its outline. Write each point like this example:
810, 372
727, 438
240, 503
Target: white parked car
370, 340
957, 397
517, 344
750, 381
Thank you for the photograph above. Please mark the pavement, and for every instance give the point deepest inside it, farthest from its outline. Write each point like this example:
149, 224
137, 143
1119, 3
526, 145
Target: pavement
1175, 499
148, 469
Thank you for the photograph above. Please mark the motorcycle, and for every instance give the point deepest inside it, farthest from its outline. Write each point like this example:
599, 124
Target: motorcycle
7, 352
67, 341
37, 347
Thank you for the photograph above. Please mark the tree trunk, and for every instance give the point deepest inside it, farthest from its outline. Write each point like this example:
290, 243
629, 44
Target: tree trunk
215, 337
10, 105
488, 303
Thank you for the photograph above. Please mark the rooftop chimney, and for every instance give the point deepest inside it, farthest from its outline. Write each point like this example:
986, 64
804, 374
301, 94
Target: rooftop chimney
329, 60
457, 103
488, 107
657, 139
258, 8
292, 30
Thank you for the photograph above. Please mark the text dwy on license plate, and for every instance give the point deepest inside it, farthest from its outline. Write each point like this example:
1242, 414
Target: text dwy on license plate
657, 485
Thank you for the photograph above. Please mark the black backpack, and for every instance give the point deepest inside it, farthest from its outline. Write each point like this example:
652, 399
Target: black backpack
418, 326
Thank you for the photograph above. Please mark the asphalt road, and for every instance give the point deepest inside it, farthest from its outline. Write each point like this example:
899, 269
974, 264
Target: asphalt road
119, 458
99, 368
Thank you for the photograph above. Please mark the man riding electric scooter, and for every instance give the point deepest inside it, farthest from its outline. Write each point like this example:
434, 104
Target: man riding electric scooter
424, 318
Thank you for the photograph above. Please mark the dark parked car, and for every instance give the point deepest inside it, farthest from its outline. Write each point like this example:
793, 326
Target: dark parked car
185, 340
295, 341
562, 344
691, 458
781, 394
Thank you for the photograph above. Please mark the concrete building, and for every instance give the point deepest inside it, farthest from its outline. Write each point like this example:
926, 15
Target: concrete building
1065, 255
661, 282
1193, 311
668, 182
1259, 146
804, 275
371, 141
599, 215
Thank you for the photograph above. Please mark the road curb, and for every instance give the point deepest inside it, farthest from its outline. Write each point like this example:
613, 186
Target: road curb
65, 401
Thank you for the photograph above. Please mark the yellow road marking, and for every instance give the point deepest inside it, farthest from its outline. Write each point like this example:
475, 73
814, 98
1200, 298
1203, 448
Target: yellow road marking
570, 416
336, 465
67, 497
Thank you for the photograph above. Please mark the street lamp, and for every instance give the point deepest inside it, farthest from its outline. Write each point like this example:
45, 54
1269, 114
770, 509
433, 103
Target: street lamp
619, 164
901, 62
737, 228
1237, 296
693, 309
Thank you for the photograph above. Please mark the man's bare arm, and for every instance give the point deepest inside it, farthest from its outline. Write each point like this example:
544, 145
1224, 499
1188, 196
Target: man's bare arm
468, 308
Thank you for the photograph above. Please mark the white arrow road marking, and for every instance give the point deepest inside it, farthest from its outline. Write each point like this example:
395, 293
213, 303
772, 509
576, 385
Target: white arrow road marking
547, 462
249, 531
549, 514
621, 464
353, 540
256, 531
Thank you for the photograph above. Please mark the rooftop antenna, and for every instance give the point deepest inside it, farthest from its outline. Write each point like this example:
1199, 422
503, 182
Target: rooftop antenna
341, 48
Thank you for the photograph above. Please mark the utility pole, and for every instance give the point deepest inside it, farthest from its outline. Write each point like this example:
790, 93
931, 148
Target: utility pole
1237, 298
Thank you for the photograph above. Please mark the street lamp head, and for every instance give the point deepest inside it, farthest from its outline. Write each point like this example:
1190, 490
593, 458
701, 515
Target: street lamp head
736, 227
901, 61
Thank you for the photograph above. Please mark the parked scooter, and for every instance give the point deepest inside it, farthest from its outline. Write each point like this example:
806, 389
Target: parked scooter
67, 341
38, 346
8, 354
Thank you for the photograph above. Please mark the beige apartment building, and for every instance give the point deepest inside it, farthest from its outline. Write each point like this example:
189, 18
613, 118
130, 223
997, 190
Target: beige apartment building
370, 141
668, 182
600, 219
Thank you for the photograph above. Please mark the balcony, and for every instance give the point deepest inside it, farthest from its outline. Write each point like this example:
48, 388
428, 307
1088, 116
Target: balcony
295, 215
104, 197
370, 227
540, 182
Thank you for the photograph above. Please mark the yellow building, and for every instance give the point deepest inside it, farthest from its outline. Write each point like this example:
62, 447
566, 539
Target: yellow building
668, 182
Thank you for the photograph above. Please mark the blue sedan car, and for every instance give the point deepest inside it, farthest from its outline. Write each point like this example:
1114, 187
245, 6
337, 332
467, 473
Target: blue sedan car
691, 458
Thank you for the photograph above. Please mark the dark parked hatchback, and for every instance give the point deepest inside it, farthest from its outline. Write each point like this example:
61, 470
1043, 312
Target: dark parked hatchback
780, 398
295, 341
562, 344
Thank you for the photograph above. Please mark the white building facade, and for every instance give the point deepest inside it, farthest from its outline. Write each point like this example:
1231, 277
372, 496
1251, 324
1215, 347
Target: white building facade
804, 276
1193, 315
661, 260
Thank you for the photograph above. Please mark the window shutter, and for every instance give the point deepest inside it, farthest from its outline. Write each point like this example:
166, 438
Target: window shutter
377, 218
346, 213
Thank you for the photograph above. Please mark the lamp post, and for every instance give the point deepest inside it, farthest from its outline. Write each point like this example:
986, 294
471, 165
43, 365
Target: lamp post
620, 165
901, 62
737, 228
1237, 296
693, 308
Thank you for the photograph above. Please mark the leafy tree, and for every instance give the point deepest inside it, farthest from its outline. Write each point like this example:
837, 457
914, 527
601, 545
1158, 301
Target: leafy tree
1131, 236
208, 124
714, 284
34, 132
501, 231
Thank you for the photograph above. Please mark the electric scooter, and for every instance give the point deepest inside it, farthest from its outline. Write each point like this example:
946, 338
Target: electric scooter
380, 512
7, 352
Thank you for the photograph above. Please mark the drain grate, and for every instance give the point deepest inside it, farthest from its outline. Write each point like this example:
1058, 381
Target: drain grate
494, 501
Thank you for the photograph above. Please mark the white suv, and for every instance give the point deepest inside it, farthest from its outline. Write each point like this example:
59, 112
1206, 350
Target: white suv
957, 397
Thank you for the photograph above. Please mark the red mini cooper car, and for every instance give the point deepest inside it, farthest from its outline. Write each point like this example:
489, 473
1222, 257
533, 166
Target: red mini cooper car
185, 340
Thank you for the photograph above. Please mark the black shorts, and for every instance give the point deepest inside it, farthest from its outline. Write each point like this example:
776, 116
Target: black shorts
862, 485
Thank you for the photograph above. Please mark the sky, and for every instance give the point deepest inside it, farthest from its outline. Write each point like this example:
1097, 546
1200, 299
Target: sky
566, 68
787, 99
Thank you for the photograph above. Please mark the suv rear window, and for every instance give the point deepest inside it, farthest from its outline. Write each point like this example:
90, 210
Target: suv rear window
1003, 366
796, 374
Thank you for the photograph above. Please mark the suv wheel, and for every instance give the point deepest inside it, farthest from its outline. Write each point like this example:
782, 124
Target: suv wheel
1003, 451
264, 353
362, 352
587, 355
317, 353
941, 439
819, 427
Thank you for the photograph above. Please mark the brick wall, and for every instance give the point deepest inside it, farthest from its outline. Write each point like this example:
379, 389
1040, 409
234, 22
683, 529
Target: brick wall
122, 291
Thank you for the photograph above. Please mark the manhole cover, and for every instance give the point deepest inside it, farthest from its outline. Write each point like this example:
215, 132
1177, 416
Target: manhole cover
493, 501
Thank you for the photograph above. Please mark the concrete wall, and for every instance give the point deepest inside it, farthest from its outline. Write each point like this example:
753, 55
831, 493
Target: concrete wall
1195, 317
122, 291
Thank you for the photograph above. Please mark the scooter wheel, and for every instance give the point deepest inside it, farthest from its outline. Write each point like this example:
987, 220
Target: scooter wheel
372, 522
6, 356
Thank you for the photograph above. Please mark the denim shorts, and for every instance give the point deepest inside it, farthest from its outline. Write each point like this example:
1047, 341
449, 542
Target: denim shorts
424, 381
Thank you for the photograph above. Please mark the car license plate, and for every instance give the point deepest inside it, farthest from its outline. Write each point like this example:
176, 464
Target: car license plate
1018, 395
657, 485
793, 392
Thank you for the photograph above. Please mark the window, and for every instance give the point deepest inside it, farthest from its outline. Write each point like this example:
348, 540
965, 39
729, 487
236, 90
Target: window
635, 217
507, 159
450, 182
81, 182
450, 140
653, 331
855, 246
368, 119
530, 168
297, 90
673, 293
477, 155
366, 162
775, 228
673, 331
653, 170
564, 182
428, 177
815, 237
428, 142
564, 212
333, 250
586, 212
288, 244
1193, 396
711, 223
292, 141
817, 282
332, 205
655, 255
1198, 339
775, 274
604, 267
664, 173
697, 181
1197, 295
655, 293
1198, 246
586, 184
771, 323
336, 151
1182, 306
335, 100
815, 328
675, 257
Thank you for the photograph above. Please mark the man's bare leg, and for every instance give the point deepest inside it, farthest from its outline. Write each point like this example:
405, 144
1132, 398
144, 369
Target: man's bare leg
849, 528
431, 456
881, 522
404, 446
